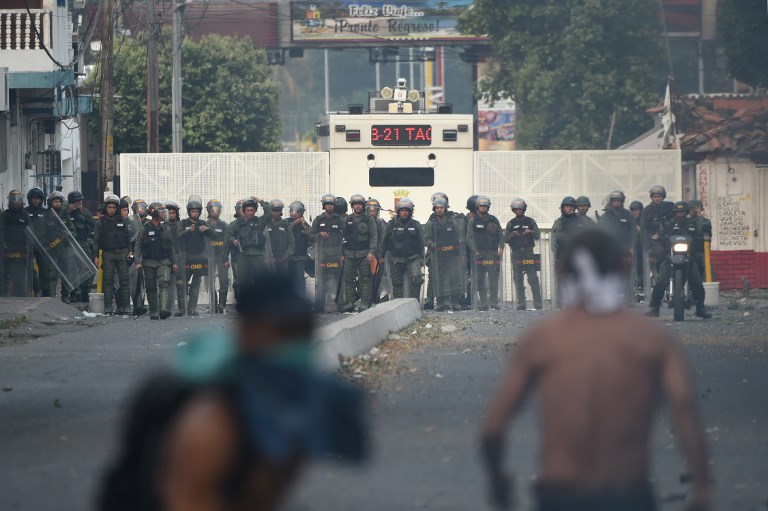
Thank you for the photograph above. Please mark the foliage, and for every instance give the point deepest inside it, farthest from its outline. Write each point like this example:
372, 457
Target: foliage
570, 65
743, 27
230, 99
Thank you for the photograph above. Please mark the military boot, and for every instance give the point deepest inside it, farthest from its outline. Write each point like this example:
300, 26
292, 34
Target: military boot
182, 308
702, 311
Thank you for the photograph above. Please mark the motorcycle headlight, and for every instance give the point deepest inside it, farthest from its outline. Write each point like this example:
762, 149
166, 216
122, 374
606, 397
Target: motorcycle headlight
680, 247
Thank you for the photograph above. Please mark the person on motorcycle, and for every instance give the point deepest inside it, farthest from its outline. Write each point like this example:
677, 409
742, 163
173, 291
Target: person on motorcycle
679, 225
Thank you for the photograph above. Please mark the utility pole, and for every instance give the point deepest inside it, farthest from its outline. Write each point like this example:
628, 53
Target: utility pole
153, 136
178, 11
106, 106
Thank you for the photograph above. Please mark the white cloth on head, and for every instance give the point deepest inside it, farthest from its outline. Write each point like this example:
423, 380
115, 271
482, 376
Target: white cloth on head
599, 294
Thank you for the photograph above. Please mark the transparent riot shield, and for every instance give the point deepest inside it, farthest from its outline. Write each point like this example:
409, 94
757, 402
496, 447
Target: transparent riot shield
329, 275
134, 228
448, 262
210, 279
61, 251
16, 262
194, 265
486, 281
527, 263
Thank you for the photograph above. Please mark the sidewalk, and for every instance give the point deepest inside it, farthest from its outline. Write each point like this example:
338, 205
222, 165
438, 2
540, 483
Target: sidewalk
22, 319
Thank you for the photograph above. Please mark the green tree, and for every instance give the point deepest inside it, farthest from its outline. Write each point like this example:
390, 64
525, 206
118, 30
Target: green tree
743, 26
571, 66
230, 98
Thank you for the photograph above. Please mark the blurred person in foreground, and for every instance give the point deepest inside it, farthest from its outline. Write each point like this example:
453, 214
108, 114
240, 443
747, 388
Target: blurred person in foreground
236, 420
600, 371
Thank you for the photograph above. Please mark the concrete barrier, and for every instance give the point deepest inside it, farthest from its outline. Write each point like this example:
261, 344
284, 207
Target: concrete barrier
357, 334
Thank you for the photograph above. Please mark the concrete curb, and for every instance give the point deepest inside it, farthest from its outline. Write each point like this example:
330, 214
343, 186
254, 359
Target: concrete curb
357, 334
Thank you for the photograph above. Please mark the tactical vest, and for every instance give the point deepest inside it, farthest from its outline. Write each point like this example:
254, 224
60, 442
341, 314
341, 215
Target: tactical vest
219, 231
249, 233
622, 223
35, 213
82, 226
333, 226
520, 225
278, 238
300, 240
654, 216
405, 239
193, 241
153, 246
357, 234
447, 238
15, 220
487, 232
114, 233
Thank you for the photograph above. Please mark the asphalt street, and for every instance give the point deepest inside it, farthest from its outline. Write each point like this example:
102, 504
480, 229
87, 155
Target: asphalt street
64, 395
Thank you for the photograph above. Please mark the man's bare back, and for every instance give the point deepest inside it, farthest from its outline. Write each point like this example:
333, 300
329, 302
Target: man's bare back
599, 378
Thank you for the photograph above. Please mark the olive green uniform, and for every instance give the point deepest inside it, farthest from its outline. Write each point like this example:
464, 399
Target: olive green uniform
16, 254
485, 239
36, 214
360, 239
403, 244
193, 245
251, 247
327, 256
444, 238
521, 247
220, 257
112, 237
156, 253
52, 281
84, 225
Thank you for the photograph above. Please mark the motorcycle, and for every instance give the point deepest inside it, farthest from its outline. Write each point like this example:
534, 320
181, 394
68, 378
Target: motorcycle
680, 258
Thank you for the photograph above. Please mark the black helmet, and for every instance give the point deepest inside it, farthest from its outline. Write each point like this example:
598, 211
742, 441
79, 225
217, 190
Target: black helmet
518, 203
471, 203
658, 190
568, 201
35, 192
297, 207
616, 195
695, 203
583, 200
328, 198
195, 202
172, 205
357, 198
156, 208
75, 196
405, 204
124, 204
250, 203
680, 206
636, 204
341, 206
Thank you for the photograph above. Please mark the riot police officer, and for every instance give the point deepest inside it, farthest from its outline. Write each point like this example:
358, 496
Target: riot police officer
327, 235
404, 244
680, 225
112, 238
56, 207
619, 221
652, 225
359, 246
300, 231
246, 237
176, 287
564, 226
220, 253
381, 275
341, 208
444, 238
36, 212
703, 232
83, 222
15, 249
156, 256
194, 235
485, 241
521, 234
582, 209
279, 237
429, 300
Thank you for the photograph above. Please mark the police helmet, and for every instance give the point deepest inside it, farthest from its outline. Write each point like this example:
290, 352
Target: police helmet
155, 208
75, 196
250, 203
328, 199
139, 206
15, 196
213, 203
518, 203
695, 203
439, 202
357, 198
123, 205
441, 195
195, 202
373, 204
55, 195
471, 203
112, 199
405, 204
483, 200
127, 199
276, 204
583, 200
172, 205
680, 206
568, 201
297, 207
636, 204
35, 192
341, 207
658, 190
616, 195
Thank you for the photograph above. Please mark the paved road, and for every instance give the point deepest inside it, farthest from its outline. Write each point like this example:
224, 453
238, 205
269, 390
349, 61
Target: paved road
58, 423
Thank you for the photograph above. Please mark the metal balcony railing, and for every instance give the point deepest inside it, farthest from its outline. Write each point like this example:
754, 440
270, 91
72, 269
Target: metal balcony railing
21, 31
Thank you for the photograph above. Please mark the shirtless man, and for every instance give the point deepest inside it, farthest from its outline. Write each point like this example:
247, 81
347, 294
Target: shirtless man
600, 372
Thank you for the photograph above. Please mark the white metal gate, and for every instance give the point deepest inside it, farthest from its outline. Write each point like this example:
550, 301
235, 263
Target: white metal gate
543, 178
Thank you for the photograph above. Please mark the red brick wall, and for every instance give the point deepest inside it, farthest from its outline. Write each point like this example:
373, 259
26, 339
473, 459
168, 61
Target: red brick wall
732, 267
